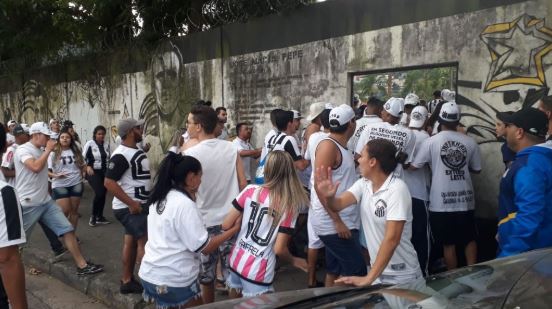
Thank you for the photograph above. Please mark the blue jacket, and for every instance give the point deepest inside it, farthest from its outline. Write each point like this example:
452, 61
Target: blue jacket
525, 202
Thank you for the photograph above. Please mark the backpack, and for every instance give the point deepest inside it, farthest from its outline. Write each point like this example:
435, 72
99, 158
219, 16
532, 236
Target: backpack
259, 173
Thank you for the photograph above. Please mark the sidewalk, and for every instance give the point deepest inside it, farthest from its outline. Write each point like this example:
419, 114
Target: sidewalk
103, 245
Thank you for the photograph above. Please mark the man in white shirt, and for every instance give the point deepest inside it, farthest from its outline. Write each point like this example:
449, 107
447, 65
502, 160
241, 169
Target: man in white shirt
31, 183
286, 141
21, 134
128, 178
223, 178
419, 182
452, 156
338, 231
222, 116
245, 150
12, 234
371, 116
10, 139
390, 130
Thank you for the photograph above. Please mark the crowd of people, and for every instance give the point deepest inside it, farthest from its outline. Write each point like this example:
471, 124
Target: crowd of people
379, 188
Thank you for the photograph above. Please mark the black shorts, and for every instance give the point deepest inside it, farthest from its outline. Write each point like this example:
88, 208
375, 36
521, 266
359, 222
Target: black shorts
453, 228
344, 256
135, 225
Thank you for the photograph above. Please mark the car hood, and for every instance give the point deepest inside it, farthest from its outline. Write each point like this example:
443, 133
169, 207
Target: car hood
485, 285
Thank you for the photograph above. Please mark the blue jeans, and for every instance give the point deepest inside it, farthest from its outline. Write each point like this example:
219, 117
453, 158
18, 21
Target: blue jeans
166, 296
48, 213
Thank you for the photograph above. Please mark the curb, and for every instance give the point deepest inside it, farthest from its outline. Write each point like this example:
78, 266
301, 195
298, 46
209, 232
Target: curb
99, 286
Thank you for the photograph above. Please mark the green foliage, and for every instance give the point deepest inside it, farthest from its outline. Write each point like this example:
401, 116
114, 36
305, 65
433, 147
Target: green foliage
421, 82
59, 28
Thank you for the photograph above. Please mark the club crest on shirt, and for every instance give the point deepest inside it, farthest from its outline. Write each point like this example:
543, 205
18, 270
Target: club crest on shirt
381, 206
111, 165
454, 154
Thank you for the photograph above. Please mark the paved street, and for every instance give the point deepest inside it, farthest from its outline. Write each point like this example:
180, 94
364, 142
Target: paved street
45, 292
102, 244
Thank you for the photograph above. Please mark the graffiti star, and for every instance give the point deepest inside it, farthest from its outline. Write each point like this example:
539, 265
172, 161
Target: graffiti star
517, 50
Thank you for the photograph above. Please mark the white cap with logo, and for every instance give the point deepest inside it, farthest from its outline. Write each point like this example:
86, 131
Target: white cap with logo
450, 112
296, 114
448, 95
411, 99
394, 106
418, 117
40, 127
341, 115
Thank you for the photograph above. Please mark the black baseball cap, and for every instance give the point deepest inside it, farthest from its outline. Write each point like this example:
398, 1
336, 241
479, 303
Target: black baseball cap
68, 123
531, 120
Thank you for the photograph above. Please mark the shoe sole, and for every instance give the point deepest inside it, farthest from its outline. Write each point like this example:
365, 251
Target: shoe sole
91, 273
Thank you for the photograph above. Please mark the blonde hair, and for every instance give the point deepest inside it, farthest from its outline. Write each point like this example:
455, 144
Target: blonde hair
286, 192
79, 159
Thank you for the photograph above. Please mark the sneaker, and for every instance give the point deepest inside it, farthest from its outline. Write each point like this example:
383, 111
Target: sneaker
89, 269
102, 220
131, 287
92, 221
58, 254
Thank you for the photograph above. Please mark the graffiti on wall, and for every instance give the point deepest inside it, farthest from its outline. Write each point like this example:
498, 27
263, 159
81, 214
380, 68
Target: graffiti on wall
518, 52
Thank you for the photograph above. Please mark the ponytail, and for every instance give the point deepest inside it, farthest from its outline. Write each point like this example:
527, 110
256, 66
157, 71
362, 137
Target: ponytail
386, 154
171, 175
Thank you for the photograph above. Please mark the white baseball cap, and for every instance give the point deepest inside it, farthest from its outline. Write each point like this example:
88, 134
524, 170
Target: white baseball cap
12, 122
341, 115
411, 99
40, 127
296, 114
449, 112
418, 117
315, 109
394, 106
448, 95
329, 106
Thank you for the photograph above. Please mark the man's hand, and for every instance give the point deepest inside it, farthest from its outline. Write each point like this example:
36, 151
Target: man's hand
356, 281
324, 183
50, 144
342, 230
135, 208
89, 171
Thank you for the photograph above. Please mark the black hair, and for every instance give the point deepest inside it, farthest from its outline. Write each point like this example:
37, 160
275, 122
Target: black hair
359, 112
238, 127
374, 102
450, 125
206, 117
2, 138
325, 118
171, 174
96, 130
339, 128
282, 119
273, 114
386, 154
202, 103
437, 93
547, 103
220, 108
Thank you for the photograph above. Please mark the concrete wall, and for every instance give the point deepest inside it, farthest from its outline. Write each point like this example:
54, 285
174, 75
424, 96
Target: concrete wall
502, 53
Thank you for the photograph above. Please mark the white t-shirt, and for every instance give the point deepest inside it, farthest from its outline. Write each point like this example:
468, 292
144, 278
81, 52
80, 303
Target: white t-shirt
322, 223
314, 139
130, 168
392, 202
450, 155
419, 180
176, 235
7, 162
253, 255
11, 219
10, 138
32, 188
268, 144
361, 125
401, 137
219, 183
244, 145
66, 165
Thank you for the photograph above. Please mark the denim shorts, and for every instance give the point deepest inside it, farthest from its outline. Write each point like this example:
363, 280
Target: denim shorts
247, 288
209, 261
169, 297
48, 213
135, 225
344, 256
66, 192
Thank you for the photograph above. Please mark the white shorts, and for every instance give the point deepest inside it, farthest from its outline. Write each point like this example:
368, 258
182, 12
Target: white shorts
314, 241
11, 219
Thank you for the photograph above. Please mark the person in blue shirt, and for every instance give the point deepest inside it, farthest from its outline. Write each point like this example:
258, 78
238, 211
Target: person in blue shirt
525, 199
